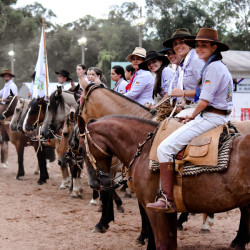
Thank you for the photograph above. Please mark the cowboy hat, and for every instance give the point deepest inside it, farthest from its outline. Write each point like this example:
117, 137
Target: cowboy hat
178, 33
164, 51
141, 52
153, 55
64, 73
7, 72
209, 35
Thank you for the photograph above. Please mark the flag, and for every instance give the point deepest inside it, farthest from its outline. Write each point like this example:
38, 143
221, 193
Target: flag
39, 88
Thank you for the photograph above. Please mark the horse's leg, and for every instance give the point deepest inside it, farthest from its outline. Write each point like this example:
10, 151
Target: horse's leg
20, 151
118, 203
4, 154
243, 236
164, 227
144, 225
94, 200
41, 157
182, 218
65, 175
77, 189
207, 223
107, 212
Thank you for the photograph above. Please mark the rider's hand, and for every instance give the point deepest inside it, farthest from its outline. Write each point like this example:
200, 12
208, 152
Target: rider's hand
177, 92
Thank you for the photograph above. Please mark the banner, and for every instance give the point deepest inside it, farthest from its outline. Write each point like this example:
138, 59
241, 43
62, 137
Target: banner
39, 88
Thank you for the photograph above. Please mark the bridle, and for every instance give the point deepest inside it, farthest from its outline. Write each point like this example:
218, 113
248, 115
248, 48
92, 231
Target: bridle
99, 172
36, 123
7, 109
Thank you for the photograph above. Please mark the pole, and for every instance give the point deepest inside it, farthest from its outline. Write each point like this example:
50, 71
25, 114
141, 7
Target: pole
46, 66
12, 58
83, 49
140, 29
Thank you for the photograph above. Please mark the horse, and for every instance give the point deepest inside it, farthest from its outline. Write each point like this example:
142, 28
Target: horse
20, 141
129, 140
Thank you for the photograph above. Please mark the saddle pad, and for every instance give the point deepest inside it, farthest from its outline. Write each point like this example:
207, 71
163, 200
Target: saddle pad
203, 150
190, 169
168, 126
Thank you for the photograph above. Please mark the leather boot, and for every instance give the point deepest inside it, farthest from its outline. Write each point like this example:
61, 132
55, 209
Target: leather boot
165, 202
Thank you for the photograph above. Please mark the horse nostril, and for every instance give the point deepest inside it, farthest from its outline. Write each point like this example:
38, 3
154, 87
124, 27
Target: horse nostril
59, 162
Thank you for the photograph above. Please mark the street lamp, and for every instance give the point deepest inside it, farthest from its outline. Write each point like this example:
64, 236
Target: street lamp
11, 53
82, 41
140, 22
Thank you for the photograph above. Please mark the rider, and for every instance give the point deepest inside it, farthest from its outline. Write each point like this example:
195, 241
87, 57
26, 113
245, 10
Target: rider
140, 88
118, 75
214, 95
188, 71
157, 64
9, 85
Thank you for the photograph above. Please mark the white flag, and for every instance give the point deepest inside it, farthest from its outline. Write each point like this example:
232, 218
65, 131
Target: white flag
39, 88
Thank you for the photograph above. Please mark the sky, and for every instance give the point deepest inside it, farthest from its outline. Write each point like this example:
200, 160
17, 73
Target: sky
68, 11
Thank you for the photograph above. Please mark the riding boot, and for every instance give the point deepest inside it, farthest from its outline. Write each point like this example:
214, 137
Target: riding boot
165, 202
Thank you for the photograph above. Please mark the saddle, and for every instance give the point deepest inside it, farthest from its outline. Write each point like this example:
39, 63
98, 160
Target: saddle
202, 150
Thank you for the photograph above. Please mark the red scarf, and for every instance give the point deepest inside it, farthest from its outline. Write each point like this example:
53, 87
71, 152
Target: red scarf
128, 87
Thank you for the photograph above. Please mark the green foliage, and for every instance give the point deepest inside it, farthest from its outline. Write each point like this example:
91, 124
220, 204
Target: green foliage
112, 39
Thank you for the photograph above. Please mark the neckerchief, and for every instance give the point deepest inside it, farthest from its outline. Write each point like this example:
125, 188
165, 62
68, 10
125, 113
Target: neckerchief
198, 87
128, 87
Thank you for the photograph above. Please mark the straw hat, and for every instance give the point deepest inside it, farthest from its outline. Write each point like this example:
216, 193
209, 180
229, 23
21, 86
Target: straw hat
141, 52
7, 72
151, 55
178, 33
210, 35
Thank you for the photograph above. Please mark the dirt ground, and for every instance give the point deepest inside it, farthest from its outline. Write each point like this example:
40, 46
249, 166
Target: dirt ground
44, 217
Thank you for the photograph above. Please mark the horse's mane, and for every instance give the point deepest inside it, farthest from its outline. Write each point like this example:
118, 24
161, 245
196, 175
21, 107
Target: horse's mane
55, 101
120, 95
127, 117
34, 105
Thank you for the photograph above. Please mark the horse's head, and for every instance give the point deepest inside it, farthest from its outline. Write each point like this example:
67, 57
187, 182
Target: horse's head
17, 114
35, 114
95, 155
55, 114
8, 107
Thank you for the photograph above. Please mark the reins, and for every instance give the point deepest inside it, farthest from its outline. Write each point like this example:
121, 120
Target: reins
38, 117
9, 106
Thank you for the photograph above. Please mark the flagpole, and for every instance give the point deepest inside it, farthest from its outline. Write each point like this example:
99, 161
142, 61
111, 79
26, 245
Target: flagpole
45, 58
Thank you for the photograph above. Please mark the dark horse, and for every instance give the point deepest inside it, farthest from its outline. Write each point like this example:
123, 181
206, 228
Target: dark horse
20, 141
204, 193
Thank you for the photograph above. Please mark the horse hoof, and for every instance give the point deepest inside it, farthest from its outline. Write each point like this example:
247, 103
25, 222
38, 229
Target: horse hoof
141, 240
238, 246
204, 231
36, 173
120, 209
128, 195
75, 196
100, 229
19, 178
4, 165
180, 227
95, 202
40, 182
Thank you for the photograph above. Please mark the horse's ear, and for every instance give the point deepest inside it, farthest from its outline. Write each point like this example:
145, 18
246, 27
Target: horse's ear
81, 124
59, 90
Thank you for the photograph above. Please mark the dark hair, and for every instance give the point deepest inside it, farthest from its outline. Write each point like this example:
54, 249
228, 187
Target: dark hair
119, 70
99, 73
157, 85
83, 66
130, 68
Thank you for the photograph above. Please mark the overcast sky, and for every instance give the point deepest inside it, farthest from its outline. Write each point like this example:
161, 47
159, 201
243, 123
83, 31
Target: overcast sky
68, 11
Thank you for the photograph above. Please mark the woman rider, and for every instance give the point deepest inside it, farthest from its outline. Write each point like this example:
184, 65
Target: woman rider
118, 76
140, 88
213, 109
157, 64
188, 71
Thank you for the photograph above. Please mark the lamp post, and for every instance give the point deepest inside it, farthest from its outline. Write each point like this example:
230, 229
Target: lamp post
82, 41
11, 53
140, 22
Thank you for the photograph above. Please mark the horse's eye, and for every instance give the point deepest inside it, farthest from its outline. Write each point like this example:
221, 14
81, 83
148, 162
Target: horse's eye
65, 134
17, 109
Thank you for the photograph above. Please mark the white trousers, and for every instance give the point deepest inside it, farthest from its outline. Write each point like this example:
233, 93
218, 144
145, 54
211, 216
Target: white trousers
183, 136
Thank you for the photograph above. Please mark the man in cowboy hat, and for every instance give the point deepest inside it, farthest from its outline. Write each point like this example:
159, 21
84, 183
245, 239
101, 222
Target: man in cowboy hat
64, 80
9, 85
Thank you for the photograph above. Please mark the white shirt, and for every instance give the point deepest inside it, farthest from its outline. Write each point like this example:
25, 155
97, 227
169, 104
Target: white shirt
5, 91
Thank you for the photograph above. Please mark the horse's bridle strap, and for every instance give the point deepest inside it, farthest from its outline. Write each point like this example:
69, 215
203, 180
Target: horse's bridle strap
38, 117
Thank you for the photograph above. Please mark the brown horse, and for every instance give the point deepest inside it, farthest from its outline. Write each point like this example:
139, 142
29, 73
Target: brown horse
204, 193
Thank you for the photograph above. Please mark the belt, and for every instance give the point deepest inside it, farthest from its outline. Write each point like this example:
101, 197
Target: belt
216, 111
